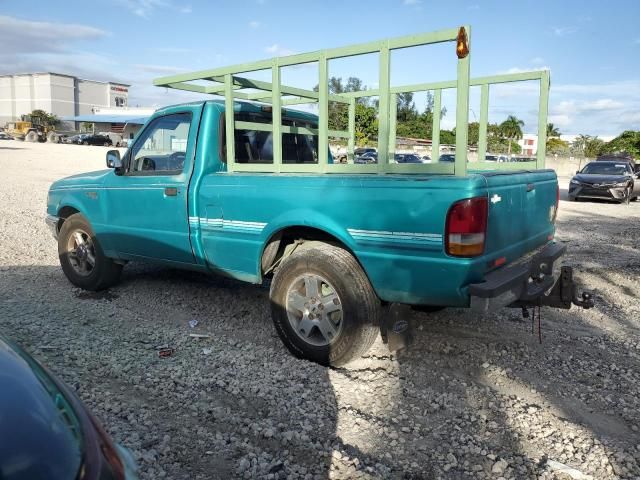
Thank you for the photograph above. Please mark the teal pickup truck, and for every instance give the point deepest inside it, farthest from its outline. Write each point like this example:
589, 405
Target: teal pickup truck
256, 195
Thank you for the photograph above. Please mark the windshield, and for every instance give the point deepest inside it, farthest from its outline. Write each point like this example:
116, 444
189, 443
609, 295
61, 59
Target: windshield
606, 169
45, 433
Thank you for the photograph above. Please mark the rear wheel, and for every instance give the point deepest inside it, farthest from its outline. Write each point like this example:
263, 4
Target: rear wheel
85, 143
31, 137
323, 306
52, 137
81, 257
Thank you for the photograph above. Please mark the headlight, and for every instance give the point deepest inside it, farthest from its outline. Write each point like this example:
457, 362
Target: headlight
621, 184
574, 182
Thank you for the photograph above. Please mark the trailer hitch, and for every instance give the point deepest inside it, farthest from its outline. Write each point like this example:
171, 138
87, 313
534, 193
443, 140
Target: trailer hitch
563, 294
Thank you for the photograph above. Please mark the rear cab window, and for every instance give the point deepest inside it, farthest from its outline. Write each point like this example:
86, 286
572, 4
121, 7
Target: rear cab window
253, 146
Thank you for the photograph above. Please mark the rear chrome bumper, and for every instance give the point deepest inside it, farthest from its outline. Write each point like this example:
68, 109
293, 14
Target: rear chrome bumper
52, 222
531, 283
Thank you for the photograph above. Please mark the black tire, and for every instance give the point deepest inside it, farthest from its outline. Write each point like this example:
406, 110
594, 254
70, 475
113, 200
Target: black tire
104, 274
85, 143
361, 309
627, 195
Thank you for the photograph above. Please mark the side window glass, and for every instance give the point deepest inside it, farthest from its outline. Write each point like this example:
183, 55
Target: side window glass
162, 147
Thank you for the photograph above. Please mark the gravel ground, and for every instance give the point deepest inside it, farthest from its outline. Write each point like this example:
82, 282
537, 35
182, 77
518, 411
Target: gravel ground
476, 397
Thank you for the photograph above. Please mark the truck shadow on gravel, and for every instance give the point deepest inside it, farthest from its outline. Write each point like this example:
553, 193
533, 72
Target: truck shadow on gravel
474, 396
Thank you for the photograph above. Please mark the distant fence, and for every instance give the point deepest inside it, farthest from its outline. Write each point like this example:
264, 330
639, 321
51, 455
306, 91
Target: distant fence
566, 166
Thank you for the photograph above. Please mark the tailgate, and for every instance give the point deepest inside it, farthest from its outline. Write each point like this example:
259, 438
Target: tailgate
521, 212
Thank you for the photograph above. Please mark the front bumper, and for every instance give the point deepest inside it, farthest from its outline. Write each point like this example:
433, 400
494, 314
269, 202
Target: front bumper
605, 192
531, 283
52, 222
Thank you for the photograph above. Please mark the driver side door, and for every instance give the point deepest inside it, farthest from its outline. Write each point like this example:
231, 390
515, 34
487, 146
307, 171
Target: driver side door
146, 205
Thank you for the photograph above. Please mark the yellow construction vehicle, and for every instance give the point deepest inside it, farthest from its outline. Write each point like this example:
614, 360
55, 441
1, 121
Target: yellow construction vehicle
32, 129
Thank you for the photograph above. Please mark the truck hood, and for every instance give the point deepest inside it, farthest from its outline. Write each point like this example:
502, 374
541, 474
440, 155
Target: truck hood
88, 179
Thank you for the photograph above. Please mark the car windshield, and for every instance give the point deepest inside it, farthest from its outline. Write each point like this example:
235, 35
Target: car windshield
46, 441
605, 169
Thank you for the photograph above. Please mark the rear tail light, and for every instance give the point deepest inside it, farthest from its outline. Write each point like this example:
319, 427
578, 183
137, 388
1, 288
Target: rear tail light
466, 227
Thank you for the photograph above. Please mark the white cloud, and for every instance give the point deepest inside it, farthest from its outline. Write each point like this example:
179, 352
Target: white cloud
171, 50
524, 70
24, 36
254, 24
562, 31
560, 120
158, 69
145, 8
278, 50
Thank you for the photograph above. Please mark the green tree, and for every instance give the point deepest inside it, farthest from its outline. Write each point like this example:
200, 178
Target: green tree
512, 129
626, 142
40, 117
579, 144
366, 124
557, 146
593, 147
552, 131
406, 107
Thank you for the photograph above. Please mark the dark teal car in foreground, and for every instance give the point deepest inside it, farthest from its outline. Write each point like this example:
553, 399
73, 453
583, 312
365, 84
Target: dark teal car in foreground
47, 433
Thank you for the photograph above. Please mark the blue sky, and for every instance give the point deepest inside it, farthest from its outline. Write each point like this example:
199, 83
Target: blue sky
591, 47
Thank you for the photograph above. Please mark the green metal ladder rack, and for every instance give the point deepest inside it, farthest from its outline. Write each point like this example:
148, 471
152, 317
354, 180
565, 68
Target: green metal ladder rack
227, 82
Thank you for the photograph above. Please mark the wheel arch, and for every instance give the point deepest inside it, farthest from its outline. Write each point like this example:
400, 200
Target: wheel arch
274, 247
65, 212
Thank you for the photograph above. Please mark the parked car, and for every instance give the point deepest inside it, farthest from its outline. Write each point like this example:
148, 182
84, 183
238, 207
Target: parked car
490, 157
362, 150
407, 158
337, 247
606, 180
425, 159
47, 432
95, 140
5, 136
76, 139
447, 157
367, 157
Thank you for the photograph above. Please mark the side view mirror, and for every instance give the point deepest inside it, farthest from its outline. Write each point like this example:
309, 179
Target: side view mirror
577, 172
113, 159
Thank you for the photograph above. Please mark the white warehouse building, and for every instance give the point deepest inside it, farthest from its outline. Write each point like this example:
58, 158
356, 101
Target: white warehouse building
59, 94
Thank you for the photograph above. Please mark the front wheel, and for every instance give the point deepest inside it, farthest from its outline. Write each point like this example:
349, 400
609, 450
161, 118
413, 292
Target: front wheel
81, 257
627, 195
323, 306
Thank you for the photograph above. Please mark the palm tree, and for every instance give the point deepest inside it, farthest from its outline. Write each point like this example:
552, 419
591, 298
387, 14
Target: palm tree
580, 143
512, 129
552, 131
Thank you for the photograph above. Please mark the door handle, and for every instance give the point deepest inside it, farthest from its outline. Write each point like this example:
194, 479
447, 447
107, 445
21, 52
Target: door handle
170, 191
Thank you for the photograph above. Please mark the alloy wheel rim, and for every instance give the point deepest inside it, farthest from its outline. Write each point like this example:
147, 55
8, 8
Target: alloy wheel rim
81, 252
314, 310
